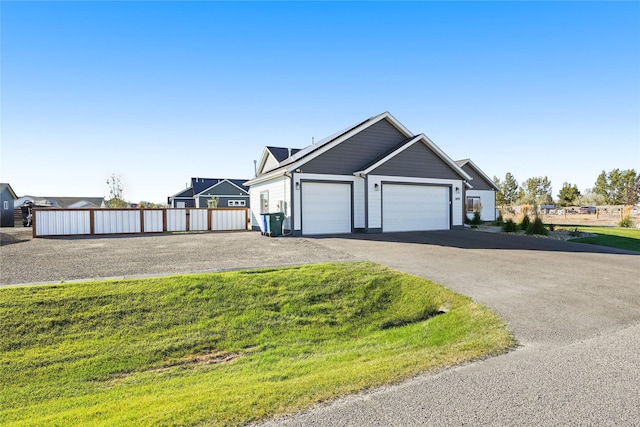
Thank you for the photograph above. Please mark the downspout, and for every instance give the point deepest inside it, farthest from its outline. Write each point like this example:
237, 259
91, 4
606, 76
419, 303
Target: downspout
291, 198
366, 203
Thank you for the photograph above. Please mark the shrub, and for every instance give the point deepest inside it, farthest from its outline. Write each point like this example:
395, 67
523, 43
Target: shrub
499, 220
575, 232
626, 222
552, 227
476, 218
509, 226
525, 222
536, 227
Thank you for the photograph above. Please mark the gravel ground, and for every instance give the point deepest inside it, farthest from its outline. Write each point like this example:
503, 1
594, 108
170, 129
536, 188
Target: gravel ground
46, 260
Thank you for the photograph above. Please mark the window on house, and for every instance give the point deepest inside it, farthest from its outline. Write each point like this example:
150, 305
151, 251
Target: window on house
473, 204
6, 205
236, 203
264, 202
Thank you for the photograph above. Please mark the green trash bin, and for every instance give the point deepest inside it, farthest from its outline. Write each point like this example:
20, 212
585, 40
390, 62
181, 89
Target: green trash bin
274, 223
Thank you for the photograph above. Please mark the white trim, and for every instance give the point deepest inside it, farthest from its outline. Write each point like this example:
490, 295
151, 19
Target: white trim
430, 144
313, 151
215, 185
310, 152
266, 177
179, 192
263, 160
480, 172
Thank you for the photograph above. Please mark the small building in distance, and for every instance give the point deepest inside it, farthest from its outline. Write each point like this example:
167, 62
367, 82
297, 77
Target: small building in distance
229, 193
7, 205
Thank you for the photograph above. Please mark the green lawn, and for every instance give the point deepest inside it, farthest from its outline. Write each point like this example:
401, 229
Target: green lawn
617, 237
226, 349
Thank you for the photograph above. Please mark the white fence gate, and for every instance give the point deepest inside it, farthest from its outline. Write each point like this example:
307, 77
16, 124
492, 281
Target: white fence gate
75, 222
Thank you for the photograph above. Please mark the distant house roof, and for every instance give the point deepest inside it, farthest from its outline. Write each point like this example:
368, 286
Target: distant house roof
202, 184
6, 186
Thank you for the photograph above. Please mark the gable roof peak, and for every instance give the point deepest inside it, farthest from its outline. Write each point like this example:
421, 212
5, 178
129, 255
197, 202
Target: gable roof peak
479, 171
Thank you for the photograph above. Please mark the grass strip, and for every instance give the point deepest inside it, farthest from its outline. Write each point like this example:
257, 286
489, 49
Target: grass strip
226, 349
615, 237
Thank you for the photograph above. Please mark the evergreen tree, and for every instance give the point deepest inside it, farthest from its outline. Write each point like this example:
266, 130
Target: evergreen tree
568, 195
509, 189
618, 187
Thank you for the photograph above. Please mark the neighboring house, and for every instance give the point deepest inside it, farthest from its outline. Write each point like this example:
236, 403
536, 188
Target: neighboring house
63, 202
7, 205
230, 193
482, 196
375, 176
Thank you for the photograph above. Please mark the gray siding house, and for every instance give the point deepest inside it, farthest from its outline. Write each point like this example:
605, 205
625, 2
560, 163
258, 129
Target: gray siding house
230, 193
482, 196
375, 176
7, 205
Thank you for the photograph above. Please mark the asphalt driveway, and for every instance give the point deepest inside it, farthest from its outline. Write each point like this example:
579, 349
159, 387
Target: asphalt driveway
574, 308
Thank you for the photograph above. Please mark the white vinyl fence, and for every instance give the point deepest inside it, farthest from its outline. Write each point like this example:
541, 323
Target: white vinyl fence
74, 222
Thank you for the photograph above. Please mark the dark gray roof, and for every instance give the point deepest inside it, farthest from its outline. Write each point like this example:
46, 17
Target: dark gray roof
282, 153
201, 184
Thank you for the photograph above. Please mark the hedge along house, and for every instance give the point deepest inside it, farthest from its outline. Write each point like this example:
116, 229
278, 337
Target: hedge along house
482, 196
229, 193
375, 176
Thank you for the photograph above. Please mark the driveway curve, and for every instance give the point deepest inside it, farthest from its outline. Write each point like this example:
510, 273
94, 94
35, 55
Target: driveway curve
574, 308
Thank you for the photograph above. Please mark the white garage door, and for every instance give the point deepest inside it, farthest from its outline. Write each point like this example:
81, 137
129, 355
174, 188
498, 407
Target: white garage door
326, 208
414, 207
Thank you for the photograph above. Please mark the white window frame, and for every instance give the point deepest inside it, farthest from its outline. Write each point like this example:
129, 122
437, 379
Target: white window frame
236, 203
475, 204
264, 202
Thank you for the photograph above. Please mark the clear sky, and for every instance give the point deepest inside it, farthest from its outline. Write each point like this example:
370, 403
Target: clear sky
159, 92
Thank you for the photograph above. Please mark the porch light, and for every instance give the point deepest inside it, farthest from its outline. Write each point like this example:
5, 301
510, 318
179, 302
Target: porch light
297, 185
457, 190
376, 186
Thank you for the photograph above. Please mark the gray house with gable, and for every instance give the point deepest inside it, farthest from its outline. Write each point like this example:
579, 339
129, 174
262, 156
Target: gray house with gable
375, 176
480, 197
230, 193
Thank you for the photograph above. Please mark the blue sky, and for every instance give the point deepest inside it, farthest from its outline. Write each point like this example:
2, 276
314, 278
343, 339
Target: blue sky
159, 92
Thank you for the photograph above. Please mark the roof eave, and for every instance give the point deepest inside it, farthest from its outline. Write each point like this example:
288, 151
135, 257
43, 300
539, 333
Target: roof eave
481, 173
266, 177
423, 138
311, 152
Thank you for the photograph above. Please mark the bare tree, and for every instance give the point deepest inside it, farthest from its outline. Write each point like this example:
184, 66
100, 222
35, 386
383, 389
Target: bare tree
115, 198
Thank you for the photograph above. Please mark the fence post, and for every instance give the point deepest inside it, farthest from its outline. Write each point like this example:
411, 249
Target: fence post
209, 219
141, 220
92, 222
33, 222
164, 220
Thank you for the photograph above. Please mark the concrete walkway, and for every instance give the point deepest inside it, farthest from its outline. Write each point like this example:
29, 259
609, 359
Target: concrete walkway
574, 308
